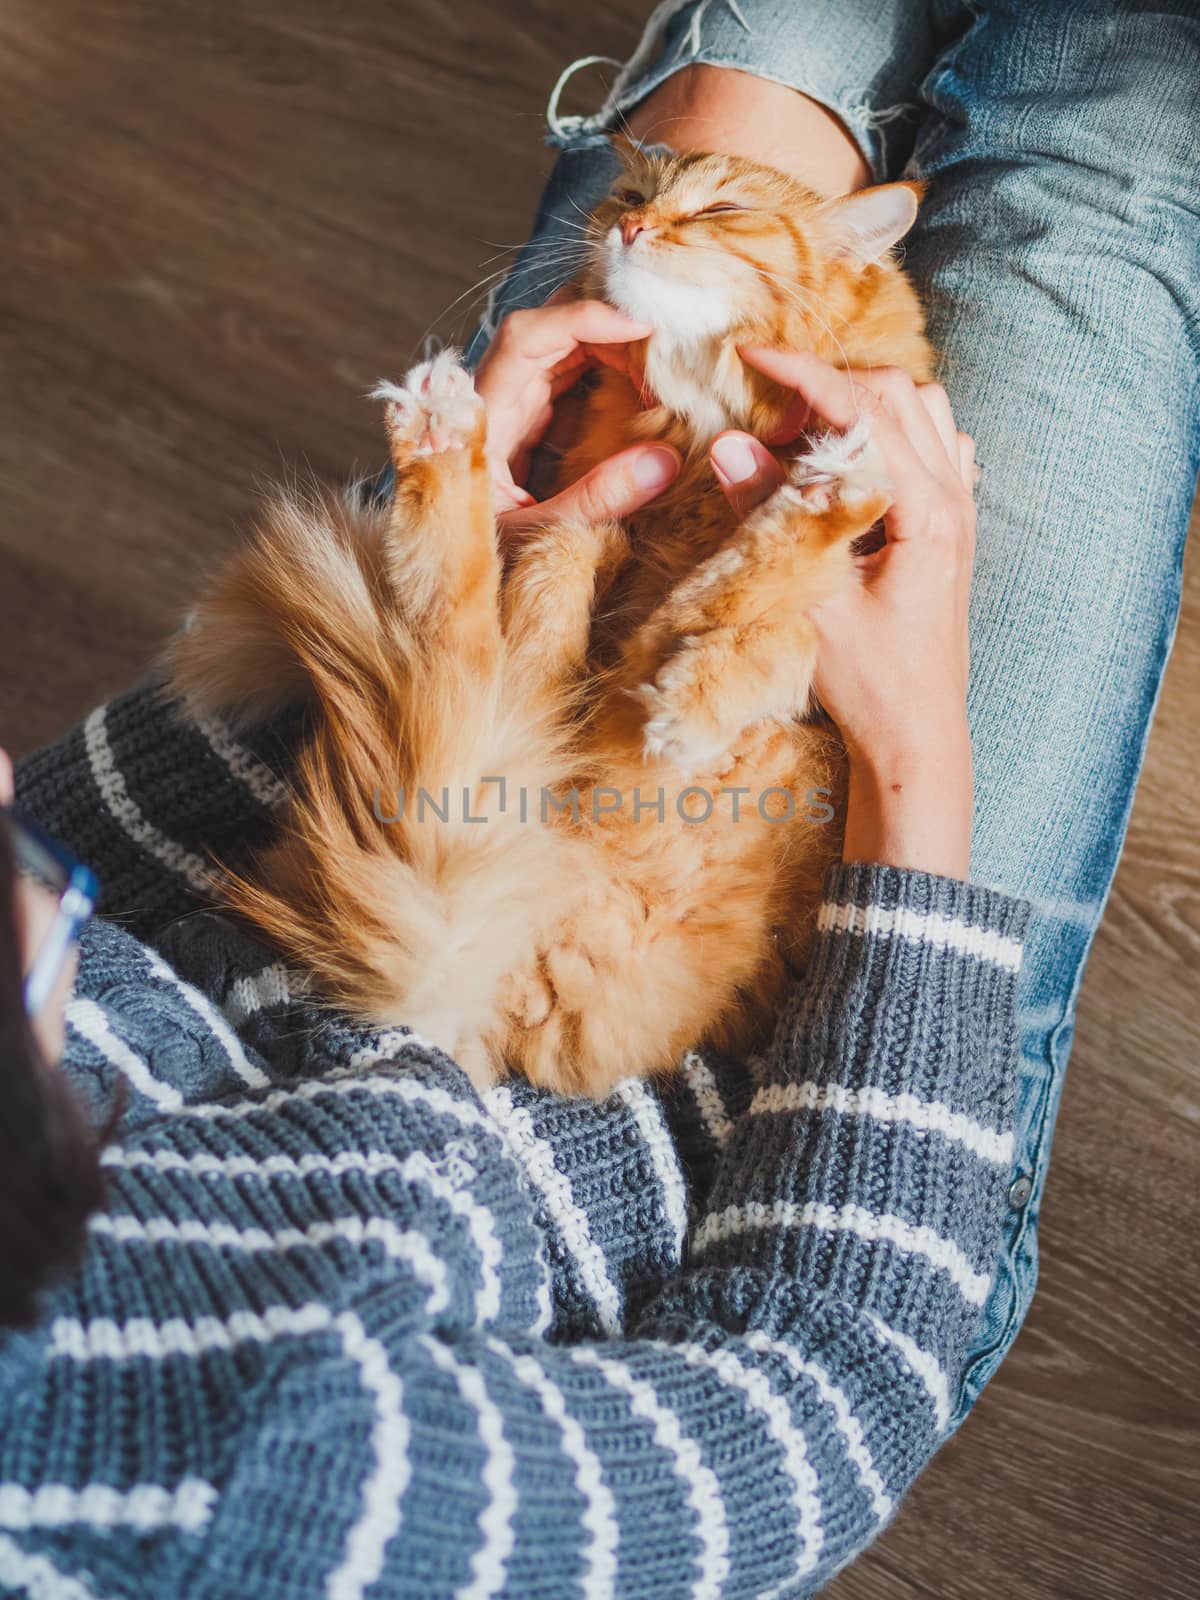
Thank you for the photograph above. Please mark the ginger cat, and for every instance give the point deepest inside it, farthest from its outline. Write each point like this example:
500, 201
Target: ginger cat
475, 846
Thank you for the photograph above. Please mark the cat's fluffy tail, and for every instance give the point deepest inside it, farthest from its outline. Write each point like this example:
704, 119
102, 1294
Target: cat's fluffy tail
411, 868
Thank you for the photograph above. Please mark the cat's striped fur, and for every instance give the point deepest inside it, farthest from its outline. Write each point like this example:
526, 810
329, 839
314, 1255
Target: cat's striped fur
672, 653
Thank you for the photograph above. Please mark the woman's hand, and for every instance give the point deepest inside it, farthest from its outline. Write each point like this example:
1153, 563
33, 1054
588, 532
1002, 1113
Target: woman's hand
893, 649
534, 359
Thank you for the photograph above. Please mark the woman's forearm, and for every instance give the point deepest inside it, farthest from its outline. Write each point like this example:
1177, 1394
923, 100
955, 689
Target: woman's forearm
790, 1376
911, 807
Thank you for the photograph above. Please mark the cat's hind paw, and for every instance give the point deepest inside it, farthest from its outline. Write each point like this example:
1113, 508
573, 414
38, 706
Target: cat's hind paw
434, 410
844, 467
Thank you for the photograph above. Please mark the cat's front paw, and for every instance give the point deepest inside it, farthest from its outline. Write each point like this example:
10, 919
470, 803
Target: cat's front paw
681, 726
434, 410
845, 467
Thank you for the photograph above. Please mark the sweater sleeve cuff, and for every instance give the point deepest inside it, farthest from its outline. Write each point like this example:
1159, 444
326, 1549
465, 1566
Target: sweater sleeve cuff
887, 929
910, 991
872, 1163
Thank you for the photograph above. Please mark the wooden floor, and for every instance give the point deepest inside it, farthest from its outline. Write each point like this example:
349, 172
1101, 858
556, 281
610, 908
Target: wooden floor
220, 225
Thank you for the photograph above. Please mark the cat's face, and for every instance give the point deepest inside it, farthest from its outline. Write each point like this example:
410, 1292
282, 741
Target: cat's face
704, 245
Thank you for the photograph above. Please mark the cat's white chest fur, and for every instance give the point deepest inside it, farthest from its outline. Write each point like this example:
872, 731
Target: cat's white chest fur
681, 311
687, 367
685, 375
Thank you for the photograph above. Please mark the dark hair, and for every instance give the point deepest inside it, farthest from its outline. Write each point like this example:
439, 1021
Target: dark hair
50, 1179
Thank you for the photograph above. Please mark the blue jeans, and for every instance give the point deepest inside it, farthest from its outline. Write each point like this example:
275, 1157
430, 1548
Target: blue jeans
1058, 253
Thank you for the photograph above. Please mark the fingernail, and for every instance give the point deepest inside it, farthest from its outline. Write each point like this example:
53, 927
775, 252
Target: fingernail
733, 455
654, 468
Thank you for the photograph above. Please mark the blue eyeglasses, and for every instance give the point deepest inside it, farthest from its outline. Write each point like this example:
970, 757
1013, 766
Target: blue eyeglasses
41, 857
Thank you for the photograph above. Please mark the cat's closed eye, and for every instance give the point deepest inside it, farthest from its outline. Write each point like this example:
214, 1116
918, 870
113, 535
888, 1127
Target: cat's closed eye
631, 197
720, 205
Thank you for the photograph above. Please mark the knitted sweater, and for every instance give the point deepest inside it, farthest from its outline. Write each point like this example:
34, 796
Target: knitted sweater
345, 1329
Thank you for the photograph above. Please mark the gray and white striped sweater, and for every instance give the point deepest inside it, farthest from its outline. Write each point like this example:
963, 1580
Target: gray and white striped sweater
344, 1329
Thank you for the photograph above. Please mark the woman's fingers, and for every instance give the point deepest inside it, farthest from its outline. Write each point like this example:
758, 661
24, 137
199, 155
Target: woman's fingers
828, 391
745, 469
537, 354
936, 402
541, 338
965, 449
917, 409
840, 398
912, 424
615, 488
834, 397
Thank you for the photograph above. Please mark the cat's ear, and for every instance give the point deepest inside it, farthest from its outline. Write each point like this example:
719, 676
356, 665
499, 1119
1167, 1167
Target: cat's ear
868, 223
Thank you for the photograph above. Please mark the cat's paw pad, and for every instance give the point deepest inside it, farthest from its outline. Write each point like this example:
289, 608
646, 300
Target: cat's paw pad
435, 409
840, 467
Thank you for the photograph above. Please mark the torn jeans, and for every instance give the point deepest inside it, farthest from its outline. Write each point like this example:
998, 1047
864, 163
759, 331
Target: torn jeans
1058, 253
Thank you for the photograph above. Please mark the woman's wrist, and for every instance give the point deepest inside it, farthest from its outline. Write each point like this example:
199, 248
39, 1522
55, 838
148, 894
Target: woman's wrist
910, 803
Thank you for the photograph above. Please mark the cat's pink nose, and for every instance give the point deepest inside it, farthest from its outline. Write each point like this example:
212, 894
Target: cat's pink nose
631, 225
